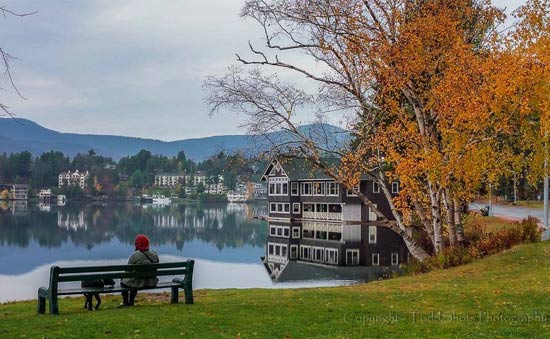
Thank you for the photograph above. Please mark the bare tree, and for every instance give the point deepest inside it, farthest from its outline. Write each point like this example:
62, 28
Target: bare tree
7, 58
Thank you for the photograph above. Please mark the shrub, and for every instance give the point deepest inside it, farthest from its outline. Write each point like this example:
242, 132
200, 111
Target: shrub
479, 245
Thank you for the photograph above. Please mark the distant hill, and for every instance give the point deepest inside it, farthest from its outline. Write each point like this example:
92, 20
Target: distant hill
26, 135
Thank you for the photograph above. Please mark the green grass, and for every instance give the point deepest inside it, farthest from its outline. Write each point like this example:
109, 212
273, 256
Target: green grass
512, 284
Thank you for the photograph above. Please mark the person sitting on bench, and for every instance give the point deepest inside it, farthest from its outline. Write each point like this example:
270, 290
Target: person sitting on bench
142, 255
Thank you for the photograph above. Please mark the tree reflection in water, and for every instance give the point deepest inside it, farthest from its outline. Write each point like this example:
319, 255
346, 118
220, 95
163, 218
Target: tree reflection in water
87, 225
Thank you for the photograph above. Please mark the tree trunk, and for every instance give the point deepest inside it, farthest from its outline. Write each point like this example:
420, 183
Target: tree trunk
451, 222
435, 198
458, 221
424, 219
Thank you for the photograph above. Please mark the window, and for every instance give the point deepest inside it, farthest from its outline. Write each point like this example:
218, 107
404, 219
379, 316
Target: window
296, 208
306, 188
375, 259
305, 252
277, 250
285, 188
331, 256
286, 232
333, 188
395, 187
318, 188
372, 234
373, 216
275, 207
395, 259
296, 232
308, 234
293, 251
318, 254
270, 247
278, 186
279, 231
283, 251
352, 257
350, 192
294, 188
375, 187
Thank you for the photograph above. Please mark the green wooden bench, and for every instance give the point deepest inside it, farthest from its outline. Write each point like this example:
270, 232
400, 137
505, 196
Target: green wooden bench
70, 274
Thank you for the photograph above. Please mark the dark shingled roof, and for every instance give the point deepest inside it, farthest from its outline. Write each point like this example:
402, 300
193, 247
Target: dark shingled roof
300, 169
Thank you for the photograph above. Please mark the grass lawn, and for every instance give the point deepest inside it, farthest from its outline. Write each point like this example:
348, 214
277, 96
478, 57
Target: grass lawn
491, 298
530, 204
487, 224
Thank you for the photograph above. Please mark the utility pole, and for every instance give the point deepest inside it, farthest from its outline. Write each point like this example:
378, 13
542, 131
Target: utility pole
490, 200
546, 180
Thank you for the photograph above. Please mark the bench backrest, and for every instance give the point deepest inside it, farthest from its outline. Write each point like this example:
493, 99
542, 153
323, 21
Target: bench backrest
84, 273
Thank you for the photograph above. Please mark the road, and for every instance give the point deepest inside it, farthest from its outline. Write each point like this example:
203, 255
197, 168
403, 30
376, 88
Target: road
514, 213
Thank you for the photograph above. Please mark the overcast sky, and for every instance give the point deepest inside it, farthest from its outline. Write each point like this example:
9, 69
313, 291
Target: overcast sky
124, 67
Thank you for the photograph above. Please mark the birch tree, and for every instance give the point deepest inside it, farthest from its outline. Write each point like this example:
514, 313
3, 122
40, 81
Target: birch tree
433, 94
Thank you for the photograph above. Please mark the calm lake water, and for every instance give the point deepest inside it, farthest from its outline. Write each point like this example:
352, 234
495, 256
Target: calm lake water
224, 239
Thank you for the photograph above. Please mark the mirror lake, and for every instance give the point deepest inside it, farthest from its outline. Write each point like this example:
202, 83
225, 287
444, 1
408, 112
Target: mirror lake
227, 241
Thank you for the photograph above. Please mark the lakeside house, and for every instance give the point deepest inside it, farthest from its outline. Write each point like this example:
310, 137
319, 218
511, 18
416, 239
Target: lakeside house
18, 192
73, 179
45, 196
169, 180
314, 219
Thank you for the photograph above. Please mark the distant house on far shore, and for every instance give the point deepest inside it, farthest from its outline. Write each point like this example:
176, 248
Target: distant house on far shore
20, 192
169, 180
75, 178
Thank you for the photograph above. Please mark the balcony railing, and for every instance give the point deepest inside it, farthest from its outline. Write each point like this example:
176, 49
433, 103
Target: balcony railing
323, 216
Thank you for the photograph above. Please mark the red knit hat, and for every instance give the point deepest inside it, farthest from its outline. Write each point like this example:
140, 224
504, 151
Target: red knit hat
142, 242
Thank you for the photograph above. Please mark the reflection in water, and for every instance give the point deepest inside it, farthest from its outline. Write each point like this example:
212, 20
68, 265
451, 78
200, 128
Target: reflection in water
225, 239
323, 250
94, 224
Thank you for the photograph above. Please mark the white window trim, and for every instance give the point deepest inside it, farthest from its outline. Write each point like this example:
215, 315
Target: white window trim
296, 235
336, 187
350, 193
294, 211
302, 191
282, 205
331, 250
375, 187
373, 241
353, 250
395, 187
278, 182
297, 189
297, 252
320, 184
302, 248
377, 256
396, 261
279, 229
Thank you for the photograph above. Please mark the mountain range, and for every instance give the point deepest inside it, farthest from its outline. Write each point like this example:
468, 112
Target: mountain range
18, 135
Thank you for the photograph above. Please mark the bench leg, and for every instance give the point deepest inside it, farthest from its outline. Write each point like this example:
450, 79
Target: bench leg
174, 297
188, 295
41, 304
54, 309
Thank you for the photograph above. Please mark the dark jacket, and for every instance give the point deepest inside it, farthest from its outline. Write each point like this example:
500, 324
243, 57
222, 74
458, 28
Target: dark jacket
145, 257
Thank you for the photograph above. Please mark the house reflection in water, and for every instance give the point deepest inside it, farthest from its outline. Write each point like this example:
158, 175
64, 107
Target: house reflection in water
360, 252
71, 220
314, 220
